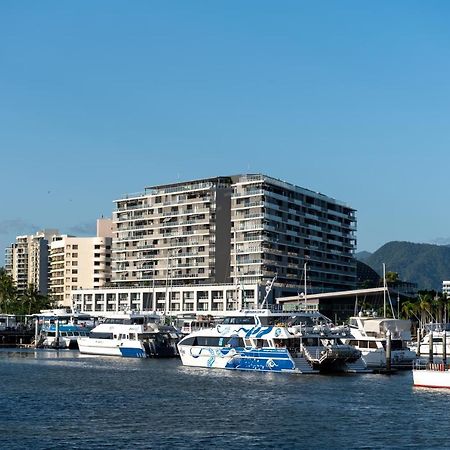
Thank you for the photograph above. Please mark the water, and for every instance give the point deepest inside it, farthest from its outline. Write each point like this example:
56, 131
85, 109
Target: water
61, 399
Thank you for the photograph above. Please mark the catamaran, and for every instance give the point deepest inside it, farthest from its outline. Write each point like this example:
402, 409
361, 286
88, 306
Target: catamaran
131, 334
262, 340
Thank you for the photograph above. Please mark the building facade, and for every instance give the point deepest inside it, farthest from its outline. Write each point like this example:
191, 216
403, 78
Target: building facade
78, 263
214, 299
27, 260
243, 230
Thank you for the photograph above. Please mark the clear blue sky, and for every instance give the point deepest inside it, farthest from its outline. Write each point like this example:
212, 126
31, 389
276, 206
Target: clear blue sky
102, 98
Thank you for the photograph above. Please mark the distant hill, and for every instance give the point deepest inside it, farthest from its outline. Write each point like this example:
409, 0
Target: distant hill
425, 264
362, 256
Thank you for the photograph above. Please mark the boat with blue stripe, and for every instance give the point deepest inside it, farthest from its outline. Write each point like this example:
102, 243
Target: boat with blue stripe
266, 341
131, 335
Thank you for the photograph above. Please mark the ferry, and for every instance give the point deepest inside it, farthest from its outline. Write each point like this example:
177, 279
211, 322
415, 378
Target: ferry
60, 328
131, 334
369, 335
262, 340
431, 375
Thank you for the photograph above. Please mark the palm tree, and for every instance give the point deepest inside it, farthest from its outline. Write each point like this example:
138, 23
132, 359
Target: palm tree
8, 291
424, 307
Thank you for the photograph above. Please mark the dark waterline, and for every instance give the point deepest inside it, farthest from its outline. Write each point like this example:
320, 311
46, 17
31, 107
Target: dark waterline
61, 399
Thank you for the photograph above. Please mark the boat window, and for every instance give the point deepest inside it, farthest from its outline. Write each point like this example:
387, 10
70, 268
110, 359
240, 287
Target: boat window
372, 344
114, 321
100, 335
311, 341
51, 334
262, 343
132, 336
363, 344
63, 333
242, 320
189, 341
77, 333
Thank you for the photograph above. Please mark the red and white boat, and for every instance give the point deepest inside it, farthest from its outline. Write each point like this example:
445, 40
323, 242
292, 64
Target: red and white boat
431, 375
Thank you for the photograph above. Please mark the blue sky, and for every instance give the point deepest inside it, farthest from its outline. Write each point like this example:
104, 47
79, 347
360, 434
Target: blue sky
102, 98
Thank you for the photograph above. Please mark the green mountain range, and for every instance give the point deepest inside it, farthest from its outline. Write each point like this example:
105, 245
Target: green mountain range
425, 264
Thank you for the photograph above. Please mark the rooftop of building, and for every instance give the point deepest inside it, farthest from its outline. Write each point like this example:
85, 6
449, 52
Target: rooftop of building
206, 183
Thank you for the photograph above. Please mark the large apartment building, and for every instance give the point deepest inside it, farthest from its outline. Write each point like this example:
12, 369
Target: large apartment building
27, 260
80, 263
242, 229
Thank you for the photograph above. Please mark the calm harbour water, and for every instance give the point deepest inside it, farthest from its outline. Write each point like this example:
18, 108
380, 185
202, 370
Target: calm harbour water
61, 399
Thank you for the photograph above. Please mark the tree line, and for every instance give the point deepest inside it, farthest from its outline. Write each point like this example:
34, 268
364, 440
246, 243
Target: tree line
13, 301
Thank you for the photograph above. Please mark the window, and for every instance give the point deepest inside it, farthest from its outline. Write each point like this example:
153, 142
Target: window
75, 247
97, 247
74, 270
74, 255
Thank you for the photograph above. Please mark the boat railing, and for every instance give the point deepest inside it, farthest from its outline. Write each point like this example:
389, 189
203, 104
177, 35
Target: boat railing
314, 353
421, 364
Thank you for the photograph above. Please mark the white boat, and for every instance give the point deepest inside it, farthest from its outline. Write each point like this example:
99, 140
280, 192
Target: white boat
131, 334
437, 330
59, 328
369, 335
261, 340
431, 375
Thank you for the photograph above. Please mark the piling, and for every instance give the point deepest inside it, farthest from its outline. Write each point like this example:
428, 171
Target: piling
430, 348
418, 342
444, 348
388, 351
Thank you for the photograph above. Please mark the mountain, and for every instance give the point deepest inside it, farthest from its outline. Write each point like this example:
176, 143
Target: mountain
362, 256
425, 264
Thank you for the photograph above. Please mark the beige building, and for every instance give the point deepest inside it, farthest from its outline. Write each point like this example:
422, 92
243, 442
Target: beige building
27, 260
80, 263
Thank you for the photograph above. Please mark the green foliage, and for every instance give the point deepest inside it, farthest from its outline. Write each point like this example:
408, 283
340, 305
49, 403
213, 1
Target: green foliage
425, 264
12, 302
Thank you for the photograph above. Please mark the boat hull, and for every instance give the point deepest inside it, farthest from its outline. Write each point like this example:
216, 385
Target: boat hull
400, 359
259, 360
112, 347
431, 378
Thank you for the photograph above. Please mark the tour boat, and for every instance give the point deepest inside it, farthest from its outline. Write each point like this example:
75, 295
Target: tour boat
131, 334
59, 328
262, 340
369, 334
431, 375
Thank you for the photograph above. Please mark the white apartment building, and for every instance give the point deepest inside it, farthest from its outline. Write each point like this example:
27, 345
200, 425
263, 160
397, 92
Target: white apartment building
80, 263
208, 245
446, 288
27, 260
238, 229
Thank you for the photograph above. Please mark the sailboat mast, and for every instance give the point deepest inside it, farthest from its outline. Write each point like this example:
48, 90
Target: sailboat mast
384, 291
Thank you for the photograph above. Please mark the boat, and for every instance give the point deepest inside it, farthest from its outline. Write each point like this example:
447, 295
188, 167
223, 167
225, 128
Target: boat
262, 340
433, 338
431, 375
369, 334
198, 323
131, 334
59, 328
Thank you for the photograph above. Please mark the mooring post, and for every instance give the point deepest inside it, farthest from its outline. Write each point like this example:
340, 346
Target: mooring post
388, 351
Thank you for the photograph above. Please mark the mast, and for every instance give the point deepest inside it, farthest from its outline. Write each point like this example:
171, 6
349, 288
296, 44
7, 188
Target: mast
384, 291
305, 284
